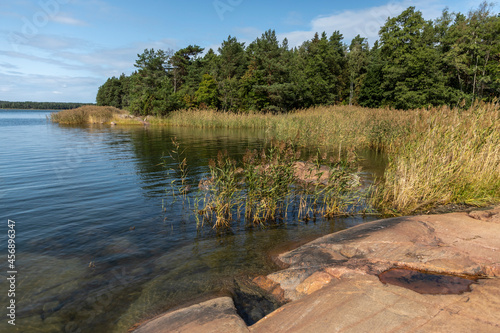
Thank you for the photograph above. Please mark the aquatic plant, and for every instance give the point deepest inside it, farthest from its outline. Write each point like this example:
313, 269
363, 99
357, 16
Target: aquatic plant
268, 179
178, 184
222, 194
272, 186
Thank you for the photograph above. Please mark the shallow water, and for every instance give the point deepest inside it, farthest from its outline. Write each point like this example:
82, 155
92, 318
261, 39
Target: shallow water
427, 283
100, 246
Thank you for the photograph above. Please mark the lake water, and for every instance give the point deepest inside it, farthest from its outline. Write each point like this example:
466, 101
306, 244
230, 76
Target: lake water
100, 246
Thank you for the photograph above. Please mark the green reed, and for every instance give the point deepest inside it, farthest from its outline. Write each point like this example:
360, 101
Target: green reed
223, 194
178, 184
273, 186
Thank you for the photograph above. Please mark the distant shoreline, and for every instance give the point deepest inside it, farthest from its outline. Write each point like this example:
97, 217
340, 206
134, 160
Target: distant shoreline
29, 105
33, 109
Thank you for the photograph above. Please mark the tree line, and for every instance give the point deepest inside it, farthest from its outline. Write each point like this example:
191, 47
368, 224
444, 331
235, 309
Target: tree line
39, 105
415, 63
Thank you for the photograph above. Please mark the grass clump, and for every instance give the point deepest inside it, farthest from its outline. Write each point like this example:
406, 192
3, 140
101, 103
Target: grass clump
269, 176
223, 192
273, 185
451, 156
87, 114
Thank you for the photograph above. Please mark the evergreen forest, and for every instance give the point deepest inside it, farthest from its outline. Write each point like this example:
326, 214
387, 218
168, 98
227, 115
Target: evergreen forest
416, 63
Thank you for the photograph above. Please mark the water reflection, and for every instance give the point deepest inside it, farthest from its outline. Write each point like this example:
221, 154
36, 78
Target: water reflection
98, 253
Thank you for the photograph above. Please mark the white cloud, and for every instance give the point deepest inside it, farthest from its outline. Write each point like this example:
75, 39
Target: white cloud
8, 65
67, 19
73, 56
57, 43
296, 38
365, 22
66, 69
47, 88
248, 33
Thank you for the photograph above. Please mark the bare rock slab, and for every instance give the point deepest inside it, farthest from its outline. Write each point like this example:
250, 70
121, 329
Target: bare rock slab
455, 243
361, 303
332, 283
217, 315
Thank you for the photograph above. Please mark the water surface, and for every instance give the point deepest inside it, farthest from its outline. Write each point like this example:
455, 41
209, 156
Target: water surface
100, 246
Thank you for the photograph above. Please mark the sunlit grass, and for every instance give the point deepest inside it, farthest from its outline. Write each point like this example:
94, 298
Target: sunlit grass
87, 114
451, 156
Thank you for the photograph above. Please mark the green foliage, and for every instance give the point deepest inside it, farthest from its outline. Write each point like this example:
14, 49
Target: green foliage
39, 105
417, 63
207, 93
114, 92
357, 60
371, 92
150, 88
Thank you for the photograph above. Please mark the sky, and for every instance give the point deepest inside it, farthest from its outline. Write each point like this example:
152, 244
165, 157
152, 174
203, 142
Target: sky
63, 50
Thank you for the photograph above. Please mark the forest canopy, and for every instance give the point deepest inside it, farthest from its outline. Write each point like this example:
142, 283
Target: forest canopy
415, 63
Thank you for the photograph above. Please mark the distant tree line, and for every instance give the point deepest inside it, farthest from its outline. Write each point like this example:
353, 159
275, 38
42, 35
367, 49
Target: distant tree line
39, 105
416, 63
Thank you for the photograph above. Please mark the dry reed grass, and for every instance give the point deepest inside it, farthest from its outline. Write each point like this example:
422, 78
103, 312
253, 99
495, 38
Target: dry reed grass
451, 156
87, 114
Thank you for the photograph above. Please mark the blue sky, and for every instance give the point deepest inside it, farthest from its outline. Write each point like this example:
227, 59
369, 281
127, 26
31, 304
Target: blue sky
63, 50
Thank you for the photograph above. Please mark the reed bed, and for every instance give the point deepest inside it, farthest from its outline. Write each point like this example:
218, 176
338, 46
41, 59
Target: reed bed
87, 114
437, 156
207, 118
331, 126
451, 156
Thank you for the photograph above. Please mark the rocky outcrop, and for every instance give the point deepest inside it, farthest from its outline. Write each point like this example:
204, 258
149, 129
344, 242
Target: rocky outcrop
453, 243
361, 303
492, 215
217, 315
332, 284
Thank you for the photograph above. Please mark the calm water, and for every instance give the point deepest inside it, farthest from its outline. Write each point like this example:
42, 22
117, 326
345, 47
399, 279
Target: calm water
100, 246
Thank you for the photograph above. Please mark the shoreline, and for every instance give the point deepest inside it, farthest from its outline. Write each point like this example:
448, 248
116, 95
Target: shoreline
344, 267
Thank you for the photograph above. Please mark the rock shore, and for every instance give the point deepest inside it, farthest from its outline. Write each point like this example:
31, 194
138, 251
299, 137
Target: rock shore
332, 284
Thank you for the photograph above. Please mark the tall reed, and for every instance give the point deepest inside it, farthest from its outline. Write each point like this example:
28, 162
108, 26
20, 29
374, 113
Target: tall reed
451, 156
273, 183
326, 126
223, 194
86, 114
